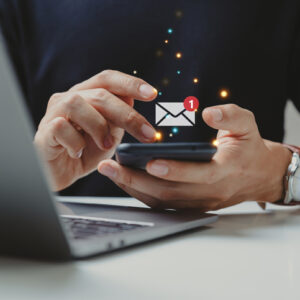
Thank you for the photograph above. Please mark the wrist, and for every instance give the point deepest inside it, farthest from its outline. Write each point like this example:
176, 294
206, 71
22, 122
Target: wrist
279, 161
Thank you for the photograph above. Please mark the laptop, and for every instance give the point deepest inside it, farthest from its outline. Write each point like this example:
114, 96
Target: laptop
32, 224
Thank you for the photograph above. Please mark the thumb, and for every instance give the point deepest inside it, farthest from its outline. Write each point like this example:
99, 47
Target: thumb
232, 118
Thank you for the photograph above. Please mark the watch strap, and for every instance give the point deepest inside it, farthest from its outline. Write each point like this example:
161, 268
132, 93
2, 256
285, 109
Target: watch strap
293, 149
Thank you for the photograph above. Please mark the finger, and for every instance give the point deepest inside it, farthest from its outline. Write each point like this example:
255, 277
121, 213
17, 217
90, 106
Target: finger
120, 114
179, 195
200, 205
133, 178
143, 182
190, 172
120, 84
74, 108
230, 117
60, 132
128, 100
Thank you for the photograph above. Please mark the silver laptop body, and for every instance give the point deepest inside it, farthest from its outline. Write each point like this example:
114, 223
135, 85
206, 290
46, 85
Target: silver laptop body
31, 223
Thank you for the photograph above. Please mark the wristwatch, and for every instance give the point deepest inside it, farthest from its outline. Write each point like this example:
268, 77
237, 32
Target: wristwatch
291, 194
292, 179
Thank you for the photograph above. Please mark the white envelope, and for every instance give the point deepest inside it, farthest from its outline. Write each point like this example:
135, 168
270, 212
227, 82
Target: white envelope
173, 114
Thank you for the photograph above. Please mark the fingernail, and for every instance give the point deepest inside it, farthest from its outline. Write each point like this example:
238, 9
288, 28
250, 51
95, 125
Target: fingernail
148, 132
108, 142
147, 90
79, 153
217, 114
108, 171
158, 168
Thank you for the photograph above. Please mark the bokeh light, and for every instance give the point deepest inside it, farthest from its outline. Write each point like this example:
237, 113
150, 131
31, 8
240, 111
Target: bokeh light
166, 41
224, 93
158, 136
159, 53
178, 14
215, 142
178, 55
195, 80
165, 81
175, 130
170, 30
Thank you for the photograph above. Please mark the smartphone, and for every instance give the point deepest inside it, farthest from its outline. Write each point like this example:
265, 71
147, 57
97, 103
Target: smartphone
137, 155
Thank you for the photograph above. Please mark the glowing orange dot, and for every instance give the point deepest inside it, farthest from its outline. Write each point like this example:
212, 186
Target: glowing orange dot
215, 142
178, 14
195, 80
158, 136
159, 53
165, 81
178, 55
224, 94
166, 41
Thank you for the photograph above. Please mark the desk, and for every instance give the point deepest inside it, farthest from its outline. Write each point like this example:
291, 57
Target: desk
247, 254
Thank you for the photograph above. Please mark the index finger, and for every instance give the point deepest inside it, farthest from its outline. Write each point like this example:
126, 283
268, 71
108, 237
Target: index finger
120, 114
120, 84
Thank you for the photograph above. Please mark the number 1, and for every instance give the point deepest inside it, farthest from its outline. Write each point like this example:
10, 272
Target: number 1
192, 103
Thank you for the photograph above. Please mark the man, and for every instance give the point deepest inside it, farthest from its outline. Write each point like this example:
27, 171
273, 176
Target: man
250, 48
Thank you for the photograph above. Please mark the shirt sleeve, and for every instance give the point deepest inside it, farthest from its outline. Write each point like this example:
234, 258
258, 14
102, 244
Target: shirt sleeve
10, 22
294, 70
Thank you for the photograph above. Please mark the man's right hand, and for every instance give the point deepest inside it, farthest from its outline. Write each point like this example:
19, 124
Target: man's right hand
84, 125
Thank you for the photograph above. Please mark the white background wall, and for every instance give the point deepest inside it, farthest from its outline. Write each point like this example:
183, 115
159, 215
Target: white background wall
292, 125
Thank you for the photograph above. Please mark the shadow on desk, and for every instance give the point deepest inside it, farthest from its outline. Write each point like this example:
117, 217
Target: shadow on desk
245, 224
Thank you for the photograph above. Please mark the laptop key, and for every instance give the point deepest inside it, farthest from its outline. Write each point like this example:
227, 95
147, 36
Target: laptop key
81, 228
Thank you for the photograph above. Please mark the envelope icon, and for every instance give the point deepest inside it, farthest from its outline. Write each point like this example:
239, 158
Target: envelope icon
173, 114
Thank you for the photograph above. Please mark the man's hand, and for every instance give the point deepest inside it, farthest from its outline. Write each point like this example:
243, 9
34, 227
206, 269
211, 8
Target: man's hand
245, 167
84, 125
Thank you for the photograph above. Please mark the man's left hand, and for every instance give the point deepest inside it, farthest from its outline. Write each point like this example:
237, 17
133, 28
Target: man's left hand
245, 167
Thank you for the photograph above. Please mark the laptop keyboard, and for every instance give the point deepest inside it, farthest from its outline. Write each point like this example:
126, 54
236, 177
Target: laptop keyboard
82, 228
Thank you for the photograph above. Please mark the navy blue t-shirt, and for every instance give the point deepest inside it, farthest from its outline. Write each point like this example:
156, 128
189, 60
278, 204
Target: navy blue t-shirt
251, 48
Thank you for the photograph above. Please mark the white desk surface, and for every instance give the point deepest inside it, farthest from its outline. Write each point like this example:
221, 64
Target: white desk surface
247, 254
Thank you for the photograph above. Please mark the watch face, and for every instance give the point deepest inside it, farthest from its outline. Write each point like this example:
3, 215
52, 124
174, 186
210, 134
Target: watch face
295, 186
292, 182
295, 162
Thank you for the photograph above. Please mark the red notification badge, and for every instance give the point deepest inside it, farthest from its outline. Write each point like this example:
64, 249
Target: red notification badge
191, 103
